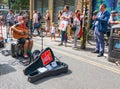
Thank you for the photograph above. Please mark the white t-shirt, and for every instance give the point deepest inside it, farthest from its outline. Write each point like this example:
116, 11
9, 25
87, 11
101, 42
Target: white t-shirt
67, 14
35, 18
53, 29
77, 21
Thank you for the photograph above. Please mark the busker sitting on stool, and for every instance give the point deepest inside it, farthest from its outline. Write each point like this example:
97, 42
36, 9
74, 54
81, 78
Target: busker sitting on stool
20, 32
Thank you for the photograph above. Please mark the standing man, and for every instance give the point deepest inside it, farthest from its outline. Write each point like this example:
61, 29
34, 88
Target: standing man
10, 22
112, 21
101, 24
67, 17
36, 22
10, 19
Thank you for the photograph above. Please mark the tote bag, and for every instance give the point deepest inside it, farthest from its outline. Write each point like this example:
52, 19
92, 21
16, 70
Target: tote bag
63, 25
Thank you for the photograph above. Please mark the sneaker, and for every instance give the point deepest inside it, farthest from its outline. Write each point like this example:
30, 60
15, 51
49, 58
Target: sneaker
100, 55
60, 44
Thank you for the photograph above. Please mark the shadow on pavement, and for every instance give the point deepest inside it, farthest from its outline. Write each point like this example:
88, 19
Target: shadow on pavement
87, 49
5, 69
50, 77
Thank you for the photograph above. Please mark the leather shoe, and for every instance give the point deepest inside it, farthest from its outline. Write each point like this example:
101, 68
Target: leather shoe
95, 51
100, 55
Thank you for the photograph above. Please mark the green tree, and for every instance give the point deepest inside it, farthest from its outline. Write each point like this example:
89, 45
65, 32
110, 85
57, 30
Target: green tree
3, 1
20, 5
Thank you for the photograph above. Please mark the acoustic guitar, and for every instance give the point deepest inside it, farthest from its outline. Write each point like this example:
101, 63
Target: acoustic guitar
17, 35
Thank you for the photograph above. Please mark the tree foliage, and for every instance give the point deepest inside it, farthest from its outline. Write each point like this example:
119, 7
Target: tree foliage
3, 1
20, 5
6, 1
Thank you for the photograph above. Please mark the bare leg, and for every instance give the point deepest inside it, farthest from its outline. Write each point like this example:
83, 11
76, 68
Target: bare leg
26, 48
51, 36
30, 44
54, 36
59, 33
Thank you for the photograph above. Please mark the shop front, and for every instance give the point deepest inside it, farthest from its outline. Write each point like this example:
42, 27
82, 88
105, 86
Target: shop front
59, 5
43, 5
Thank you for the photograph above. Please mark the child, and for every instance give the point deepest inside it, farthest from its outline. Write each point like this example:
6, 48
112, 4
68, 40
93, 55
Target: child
53, 29
63, 27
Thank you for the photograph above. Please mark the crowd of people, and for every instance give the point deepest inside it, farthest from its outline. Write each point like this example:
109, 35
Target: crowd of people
69, 26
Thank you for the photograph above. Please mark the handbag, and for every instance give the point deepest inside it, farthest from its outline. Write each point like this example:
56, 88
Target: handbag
36, 25
73, 28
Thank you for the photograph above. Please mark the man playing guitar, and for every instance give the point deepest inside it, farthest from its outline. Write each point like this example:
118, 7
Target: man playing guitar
20, 32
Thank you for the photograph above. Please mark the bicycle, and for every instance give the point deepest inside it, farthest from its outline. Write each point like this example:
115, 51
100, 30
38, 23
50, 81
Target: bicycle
90, 37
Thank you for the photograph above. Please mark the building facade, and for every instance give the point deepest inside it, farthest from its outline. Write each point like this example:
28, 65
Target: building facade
55, 5
111, 4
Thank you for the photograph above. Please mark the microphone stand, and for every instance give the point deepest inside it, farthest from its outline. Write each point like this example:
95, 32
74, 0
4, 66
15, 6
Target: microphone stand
41, 39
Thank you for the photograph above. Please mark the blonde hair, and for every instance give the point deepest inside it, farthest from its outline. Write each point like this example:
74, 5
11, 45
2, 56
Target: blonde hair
47, 11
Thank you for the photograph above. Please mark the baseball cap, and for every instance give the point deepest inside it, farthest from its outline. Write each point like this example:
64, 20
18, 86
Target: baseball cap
113, 12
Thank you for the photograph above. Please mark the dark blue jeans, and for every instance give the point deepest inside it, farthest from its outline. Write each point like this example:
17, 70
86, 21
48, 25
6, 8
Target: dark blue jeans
38, 31
64, 36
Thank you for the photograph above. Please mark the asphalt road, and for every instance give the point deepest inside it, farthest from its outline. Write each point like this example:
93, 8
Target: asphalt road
86, 70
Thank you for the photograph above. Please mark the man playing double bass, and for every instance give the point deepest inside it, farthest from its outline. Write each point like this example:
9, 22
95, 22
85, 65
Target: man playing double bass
20, 32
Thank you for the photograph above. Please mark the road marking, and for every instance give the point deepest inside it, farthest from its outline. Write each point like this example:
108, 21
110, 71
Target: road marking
103, 66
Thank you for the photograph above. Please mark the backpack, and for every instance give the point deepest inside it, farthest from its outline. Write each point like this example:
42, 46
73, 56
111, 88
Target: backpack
39, 17
1, 44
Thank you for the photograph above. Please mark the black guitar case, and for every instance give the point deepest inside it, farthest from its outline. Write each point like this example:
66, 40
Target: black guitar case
46, 65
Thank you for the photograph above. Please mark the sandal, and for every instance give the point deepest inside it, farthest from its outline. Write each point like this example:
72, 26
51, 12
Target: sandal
25, 56
117, 63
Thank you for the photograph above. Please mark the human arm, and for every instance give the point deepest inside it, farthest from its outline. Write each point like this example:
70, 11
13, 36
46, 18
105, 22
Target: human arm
47, 17
114, 22
103, 18
13, 28
66, 15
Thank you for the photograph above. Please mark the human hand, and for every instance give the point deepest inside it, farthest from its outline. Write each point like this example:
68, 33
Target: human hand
21, 32
94, 17
118, 22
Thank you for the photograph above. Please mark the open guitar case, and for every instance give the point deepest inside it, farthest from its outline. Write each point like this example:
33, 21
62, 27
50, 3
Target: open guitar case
45, 65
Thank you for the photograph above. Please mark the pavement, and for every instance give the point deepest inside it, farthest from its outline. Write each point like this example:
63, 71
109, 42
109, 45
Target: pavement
86, 70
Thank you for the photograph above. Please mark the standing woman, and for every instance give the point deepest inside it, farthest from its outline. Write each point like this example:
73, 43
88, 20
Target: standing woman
59, 19
76, 23
47, 19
